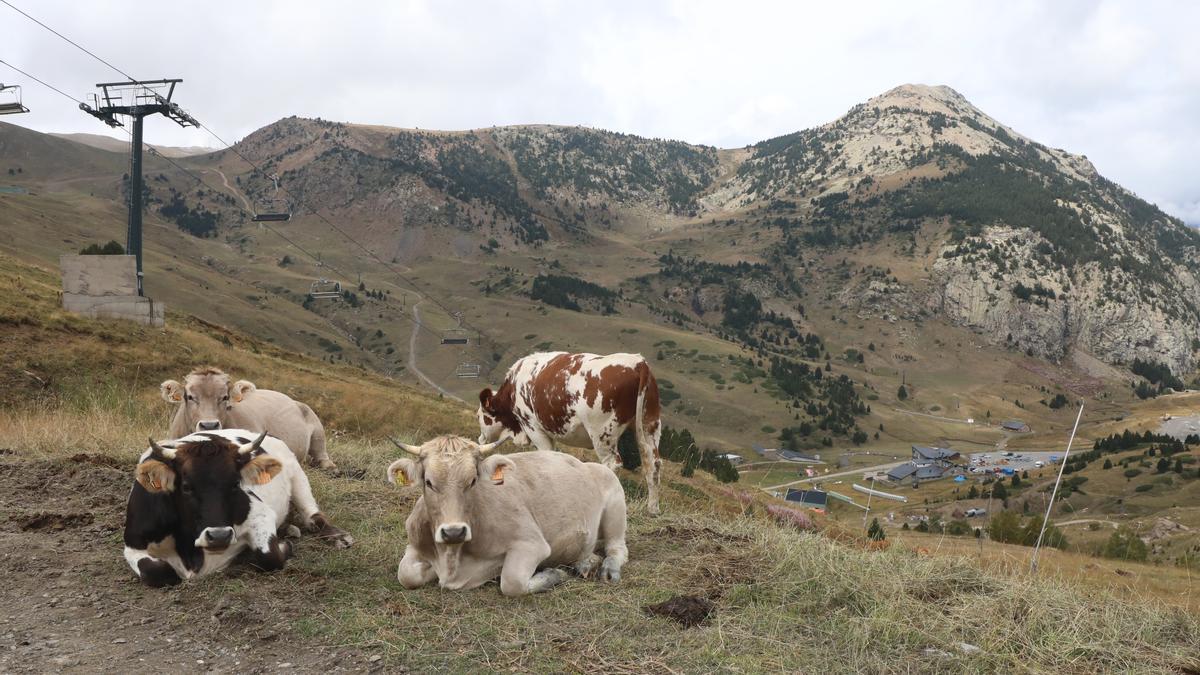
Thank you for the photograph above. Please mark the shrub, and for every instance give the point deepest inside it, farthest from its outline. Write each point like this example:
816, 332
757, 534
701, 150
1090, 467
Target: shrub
111, 248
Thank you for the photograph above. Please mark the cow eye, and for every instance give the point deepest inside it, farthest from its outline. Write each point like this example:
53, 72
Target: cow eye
187, 488
472, 483
428, 483
189, 397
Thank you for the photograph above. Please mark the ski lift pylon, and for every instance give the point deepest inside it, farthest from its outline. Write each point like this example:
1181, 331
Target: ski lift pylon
272, 209
10, 100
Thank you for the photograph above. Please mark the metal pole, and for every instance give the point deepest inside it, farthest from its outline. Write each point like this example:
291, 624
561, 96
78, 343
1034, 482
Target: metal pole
1046, 520
133, 235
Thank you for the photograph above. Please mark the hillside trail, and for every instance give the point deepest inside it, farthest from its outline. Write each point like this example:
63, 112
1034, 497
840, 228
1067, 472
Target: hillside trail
236, 192
70, 603
412, 354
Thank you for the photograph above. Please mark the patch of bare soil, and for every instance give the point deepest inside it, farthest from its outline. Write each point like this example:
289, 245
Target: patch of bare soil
687, 610
70, 603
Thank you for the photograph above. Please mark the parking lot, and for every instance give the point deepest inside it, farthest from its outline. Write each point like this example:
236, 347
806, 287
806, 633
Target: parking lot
1180, 427
1017, 460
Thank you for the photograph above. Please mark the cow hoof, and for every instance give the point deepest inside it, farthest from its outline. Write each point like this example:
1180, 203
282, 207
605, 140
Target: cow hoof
290, 532
547, 579
610, 571
337, 538
326, 464
587, 567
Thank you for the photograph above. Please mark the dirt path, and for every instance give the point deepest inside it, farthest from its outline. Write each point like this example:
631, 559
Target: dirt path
412, 355
69, 602
235, 191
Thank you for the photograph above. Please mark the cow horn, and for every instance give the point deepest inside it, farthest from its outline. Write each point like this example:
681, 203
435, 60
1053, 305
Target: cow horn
161, 451
250, 449
414, 449
490, 447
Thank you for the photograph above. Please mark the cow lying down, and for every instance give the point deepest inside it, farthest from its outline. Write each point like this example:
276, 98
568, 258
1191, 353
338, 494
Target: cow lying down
514, 516
200, 501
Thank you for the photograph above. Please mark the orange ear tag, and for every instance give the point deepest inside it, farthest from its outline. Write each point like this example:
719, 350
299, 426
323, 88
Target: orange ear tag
156, 484
498, 475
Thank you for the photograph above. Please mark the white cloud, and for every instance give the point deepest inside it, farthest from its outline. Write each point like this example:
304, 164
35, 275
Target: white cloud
1118, 81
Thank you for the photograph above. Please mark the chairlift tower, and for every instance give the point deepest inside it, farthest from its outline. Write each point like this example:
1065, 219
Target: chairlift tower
136, 100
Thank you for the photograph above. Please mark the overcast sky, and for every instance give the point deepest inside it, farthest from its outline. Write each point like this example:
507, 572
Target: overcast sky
1117, 81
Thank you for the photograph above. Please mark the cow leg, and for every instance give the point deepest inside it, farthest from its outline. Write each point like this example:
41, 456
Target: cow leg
318, 454
520, 576
612, 531
541, 440
310, 516
266, 550
604, 442
414, 572
153, 572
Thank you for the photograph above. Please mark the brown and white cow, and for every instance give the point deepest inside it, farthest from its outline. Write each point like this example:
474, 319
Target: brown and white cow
516, 516
553, 395
208, 401
200, 501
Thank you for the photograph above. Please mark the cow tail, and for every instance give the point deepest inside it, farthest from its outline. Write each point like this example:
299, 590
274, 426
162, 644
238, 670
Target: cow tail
645, 440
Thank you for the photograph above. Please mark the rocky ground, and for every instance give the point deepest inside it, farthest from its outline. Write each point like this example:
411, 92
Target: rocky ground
70, 603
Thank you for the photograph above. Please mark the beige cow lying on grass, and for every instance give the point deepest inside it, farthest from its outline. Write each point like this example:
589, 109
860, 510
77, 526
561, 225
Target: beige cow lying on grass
208, 402
514, 516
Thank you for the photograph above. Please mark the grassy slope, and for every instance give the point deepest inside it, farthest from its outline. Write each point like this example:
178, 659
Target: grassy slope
784, 600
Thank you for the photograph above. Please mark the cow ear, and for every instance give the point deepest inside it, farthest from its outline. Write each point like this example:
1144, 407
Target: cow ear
496, 468
485, 398
261, 469
405, 472
239, 390
155, 476
172, 391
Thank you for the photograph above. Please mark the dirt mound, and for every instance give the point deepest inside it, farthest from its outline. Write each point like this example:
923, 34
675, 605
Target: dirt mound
56, 521
688, 610
99, 460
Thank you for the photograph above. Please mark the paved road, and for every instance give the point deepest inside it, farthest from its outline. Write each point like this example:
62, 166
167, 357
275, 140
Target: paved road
827, 476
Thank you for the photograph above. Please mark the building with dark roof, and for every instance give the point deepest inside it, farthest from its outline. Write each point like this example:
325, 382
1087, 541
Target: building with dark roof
1015, 425
928, 463
816, 499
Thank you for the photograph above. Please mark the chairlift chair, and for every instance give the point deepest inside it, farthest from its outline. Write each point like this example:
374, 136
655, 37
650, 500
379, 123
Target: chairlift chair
273, 209
10, 100
457, 335
323, 289
468, 369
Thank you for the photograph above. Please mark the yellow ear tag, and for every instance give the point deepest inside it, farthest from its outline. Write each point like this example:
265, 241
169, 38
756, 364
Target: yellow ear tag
498, 475
401, 478
177, 397
156, 484
264, 477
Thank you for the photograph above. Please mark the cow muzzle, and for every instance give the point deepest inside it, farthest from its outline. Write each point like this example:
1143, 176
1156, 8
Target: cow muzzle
208, 425
215, 539
453, 533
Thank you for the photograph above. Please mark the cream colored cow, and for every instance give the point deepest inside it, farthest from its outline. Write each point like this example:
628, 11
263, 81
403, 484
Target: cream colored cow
518, 517
208, 402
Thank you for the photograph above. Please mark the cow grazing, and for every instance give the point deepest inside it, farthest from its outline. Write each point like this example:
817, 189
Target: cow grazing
200, 501
513, 516
552, 395
207, 402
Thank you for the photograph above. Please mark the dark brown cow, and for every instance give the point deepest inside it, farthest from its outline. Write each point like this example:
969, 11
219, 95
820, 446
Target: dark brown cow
554, 395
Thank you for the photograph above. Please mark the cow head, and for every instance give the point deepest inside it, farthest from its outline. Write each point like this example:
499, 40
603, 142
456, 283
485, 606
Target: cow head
497, 421
206, 396
204, 480
449, 469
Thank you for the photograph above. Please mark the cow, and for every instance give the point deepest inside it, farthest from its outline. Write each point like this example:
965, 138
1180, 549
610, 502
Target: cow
553, 395
514, 516
200, 501
208, 402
